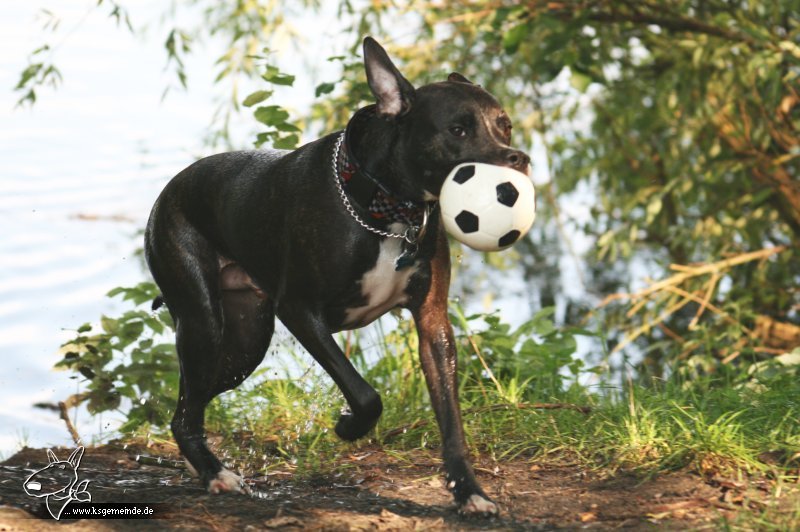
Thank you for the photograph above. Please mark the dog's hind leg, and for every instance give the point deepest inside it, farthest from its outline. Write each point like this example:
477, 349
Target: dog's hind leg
210, 367
249, 323
221, 336
248, 326
199, 325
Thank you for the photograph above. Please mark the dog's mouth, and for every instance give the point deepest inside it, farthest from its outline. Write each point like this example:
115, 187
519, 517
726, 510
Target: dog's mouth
527, 169
429, 196
523, 167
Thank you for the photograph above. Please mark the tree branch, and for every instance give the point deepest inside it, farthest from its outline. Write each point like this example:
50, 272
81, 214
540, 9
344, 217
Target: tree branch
674, 22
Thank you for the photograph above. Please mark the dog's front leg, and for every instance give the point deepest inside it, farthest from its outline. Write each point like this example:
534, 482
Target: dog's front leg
365, 403
437, 353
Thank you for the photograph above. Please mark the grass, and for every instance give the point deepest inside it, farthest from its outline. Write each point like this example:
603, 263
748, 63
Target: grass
721, 432
709, 427
732, 424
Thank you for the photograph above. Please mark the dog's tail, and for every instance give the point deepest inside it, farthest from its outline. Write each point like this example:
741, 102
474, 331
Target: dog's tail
157, 302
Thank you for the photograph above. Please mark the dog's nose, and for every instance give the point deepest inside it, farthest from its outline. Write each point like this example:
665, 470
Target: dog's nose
518, 160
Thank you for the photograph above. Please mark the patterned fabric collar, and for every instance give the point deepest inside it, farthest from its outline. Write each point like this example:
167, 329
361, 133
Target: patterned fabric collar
375, 199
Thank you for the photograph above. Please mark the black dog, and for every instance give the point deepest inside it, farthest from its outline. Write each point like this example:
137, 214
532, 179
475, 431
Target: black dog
327, 237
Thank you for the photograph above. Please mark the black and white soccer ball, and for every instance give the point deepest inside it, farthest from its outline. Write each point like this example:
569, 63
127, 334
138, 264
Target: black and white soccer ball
487, 207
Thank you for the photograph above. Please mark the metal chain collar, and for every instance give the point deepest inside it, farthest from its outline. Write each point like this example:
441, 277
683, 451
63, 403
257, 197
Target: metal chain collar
412, 234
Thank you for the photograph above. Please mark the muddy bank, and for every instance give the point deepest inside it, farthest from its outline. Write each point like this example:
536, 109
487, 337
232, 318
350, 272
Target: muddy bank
373, 490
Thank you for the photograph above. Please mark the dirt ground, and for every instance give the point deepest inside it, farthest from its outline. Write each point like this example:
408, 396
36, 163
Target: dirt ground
373, 490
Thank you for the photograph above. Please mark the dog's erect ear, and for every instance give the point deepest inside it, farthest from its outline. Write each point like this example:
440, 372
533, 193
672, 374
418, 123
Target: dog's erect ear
455, 76
51, 457
393, 92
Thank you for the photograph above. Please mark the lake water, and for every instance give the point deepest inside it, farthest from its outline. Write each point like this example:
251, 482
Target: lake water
78, 175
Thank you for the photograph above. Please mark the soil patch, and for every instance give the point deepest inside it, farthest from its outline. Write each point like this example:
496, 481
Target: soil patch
375, 490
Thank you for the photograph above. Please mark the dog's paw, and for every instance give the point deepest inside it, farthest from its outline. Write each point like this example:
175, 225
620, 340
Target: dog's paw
227, 481
351, 428
478, 505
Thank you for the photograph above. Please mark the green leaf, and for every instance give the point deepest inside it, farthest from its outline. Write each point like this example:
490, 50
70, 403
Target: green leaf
29, 97
287, 127
132, 330
276, 77
653, 208
324, 88
28, 74
271, 115
578, 331
543, 327
256, 97
154, 324
287, 143
103, 400
514, 37
110, 326
116, 291
579, 81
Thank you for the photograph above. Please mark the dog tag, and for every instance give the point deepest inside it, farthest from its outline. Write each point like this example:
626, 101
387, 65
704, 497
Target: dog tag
408, 256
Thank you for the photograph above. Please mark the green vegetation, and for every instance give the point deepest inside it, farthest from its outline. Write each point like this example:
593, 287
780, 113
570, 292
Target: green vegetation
130, 360
524, 393
675, 122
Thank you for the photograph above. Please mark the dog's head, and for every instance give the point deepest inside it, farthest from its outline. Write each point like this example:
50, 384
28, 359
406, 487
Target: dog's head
437, 126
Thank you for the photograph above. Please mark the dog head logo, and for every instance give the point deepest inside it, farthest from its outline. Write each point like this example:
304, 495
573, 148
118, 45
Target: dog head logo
58, 484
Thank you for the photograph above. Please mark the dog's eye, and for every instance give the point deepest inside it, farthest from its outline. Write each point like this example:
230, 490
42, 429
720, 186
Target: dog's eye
504, 124
458, 131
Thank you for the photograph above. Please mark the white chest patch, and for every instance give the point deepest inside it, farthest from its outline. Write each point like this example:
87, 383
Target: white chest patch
383, 286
